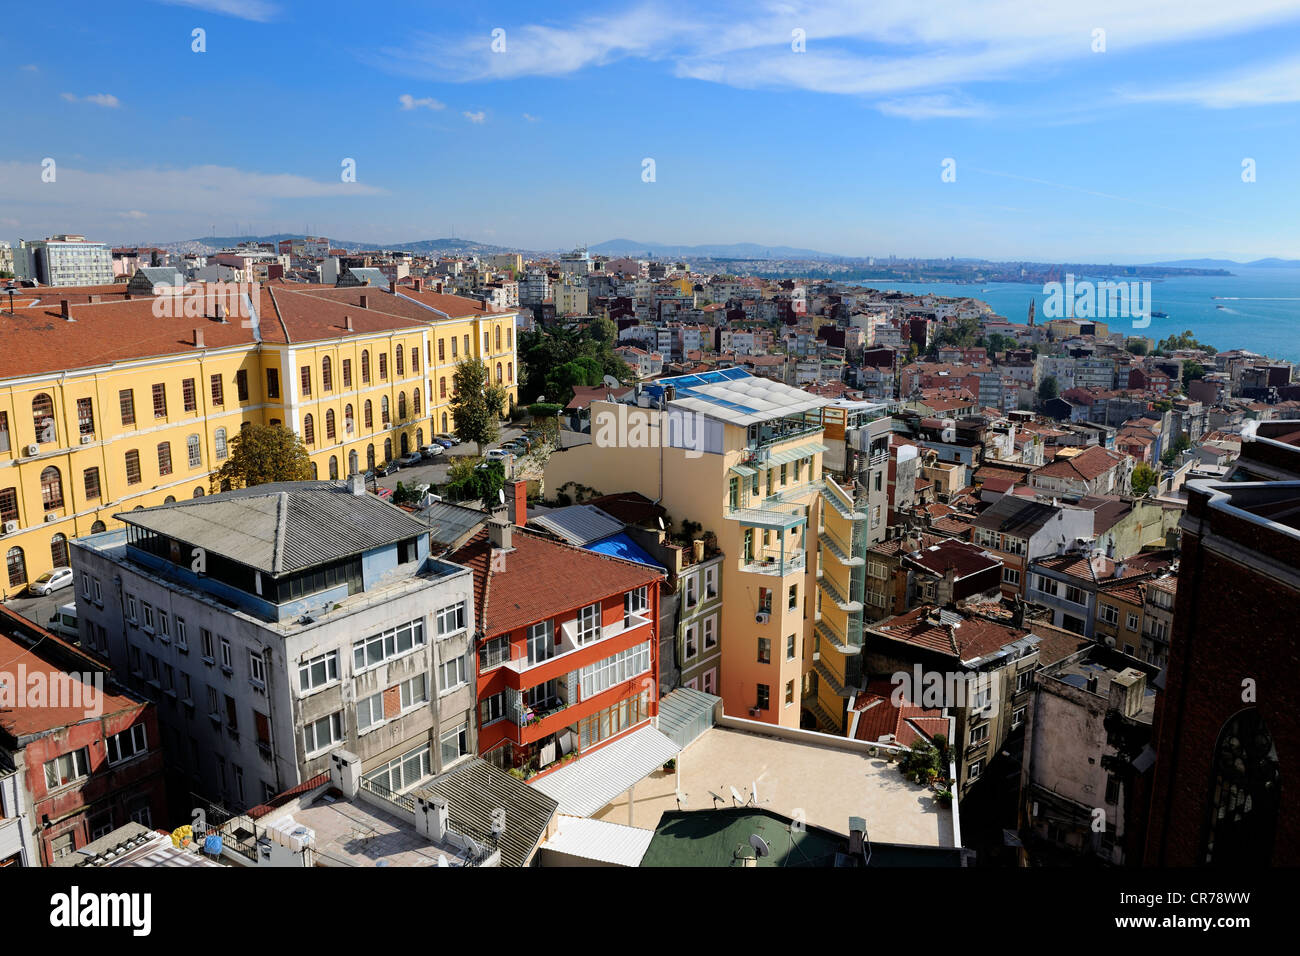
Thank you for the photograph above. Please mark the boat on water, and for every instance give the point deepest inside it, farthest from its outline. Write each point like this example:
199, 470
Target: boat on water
1159, 315
1221, 307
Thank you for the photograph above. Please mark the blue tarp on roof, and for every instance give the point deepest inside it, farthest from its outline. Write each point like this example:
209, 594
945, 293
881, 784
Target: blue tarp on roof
621, 546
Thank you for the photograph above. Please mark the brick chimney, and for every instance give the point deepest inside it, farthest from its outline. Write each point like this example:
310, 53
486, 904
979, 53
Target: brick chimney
65, 309
365, 301
198, 338
517, 502
347, 323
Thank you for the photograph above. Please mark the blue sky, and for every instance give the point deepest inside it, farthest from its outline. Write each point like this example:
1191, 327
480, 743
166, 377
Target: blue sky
1062, 152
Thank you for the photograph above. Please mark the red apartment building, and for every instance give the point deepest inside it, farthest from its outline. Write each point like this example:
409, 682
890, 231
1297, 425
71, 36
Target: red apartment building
90, 763
567, 644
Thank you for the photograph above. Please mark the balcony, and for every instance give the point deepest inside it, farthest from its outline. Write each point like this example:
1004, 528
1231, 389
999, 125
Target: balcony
569, 643
780, 430
777, 566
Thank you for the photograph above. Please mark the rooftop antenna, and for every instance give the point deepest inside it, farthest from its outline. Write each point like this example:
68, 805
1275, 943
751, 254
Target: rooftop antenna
681, 799
760, 845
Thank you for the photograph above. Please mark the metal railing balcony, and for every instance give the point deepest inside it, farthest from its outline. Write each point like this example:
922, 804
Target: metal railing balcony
777, 566
843, 602
836, 547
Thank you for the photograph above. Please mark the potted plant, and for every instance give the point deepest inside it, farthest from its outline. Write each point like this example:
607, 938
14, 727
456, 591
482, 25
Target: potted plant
670, 765
944, 797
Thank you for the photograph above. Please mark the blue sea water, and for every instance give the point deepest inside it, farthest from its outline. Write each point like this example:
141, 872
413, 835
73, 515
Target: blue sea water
1261, 307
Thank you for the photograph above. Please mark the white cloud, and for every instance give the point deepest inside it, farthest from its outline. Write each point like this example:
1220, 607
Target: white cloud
409, 102
938, 106
107, 100
135, 214
531, 118
477, 118
885, 48
1260, 86
256, 10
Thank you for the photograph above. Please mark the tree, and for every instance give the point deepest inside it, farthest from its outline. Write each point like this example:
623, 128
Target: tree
1144, 478
261, 454
477, 404
467, 481
1180, 445
1048, 389
1191, 372
1137, 346
553, 360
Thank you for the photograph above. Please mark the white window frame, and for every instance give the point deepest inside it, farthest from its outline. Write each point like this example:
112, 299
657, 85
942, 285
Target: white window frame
459, 666
367, 717
313, 746
389, 643
329, 660
588, 624
451, 619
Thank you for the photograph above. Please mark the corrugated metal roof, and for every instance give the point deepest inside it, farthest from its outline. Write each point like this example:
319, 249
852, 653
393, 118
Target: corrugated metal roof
578, 524
599, 840
451, 524
475, 790
685, 714
588, 784
794, 454
281, 527
733, 395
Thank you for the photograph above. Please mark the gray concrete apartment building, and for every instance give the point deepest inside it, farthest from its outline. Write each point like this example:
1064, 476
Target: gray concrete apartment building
277, 623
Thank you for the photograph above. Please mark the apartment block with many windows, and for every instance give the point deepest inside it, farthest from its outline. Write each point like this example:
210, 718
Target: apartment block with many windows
275, 624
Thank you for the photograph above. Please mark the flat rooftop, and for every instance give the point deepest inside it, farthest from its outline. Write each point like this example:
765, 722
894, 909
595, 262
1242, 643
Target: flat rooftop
356, 833
825, 782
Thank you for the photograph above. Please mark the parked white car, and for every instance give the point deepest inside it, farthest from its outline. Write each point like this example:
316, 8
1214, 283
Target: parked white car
51, 581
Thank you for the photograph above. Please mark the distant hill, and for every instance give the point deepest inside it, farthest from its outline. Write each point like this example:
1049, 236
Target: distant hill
1231, 264
734, 250
422, 246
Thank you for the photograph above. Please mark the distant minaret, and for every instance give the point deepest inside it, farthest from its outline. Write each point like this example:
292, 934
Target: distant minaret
1031, 313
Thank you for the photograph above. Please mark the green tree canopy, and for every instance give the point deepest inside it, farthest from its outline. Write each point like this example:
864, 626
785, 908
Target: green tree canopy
264, 453
467, 481
477, 406
553, 360
1048, 389
1144, 478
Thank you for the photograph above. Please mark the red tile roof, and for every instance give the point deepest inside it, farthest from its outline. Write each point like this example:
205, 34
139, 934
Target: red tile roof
542, 578
975, 636
877, 717
1087, 465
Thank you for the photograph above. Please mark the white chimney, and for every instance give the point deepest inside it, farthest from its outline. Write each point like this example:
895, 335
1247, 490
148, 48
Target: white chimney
357, 484
499, 534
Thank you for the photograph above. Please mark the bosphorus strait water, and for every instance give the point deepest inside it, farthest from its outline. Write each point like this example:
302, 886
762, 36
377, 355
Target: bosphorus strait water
1261, 307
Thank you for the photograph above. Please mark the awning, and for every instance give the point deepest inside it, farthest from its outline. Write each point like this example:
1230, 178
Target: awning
743, 471
597, 778
787, 455
598, 840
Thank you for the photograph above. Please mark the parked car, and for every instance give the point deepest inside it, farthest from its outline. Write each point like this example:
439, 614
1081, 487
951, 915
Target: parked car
51, 581
444, 442
389, 468
431, 451
414, 458
497, 454
64, 621
444, 438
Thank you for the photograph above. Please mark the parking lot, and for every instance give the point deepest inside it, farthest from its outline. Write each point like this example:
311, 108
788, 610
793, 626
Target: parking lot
435, 472
38, 610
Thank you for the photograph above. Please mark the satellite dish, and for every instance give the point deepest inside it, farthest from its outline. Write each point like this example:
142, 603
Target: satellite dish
501, 495
611, 382
760, 845
735, 795
661, 524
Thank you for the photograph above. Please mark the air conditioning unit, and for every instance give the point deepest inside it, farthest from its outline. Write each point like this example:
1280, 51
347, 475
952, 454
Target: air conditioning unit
54, 516
87, 439
11, 527
762, 617
33, 450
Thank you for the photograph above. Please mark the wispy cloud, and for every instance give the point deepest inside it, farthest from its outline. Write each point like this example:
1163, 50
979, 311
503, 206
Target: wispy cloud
936, 106
107, 100
30, 68
531, 118
258, 11
409, 102
478, 118
889, 48
1258, 86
